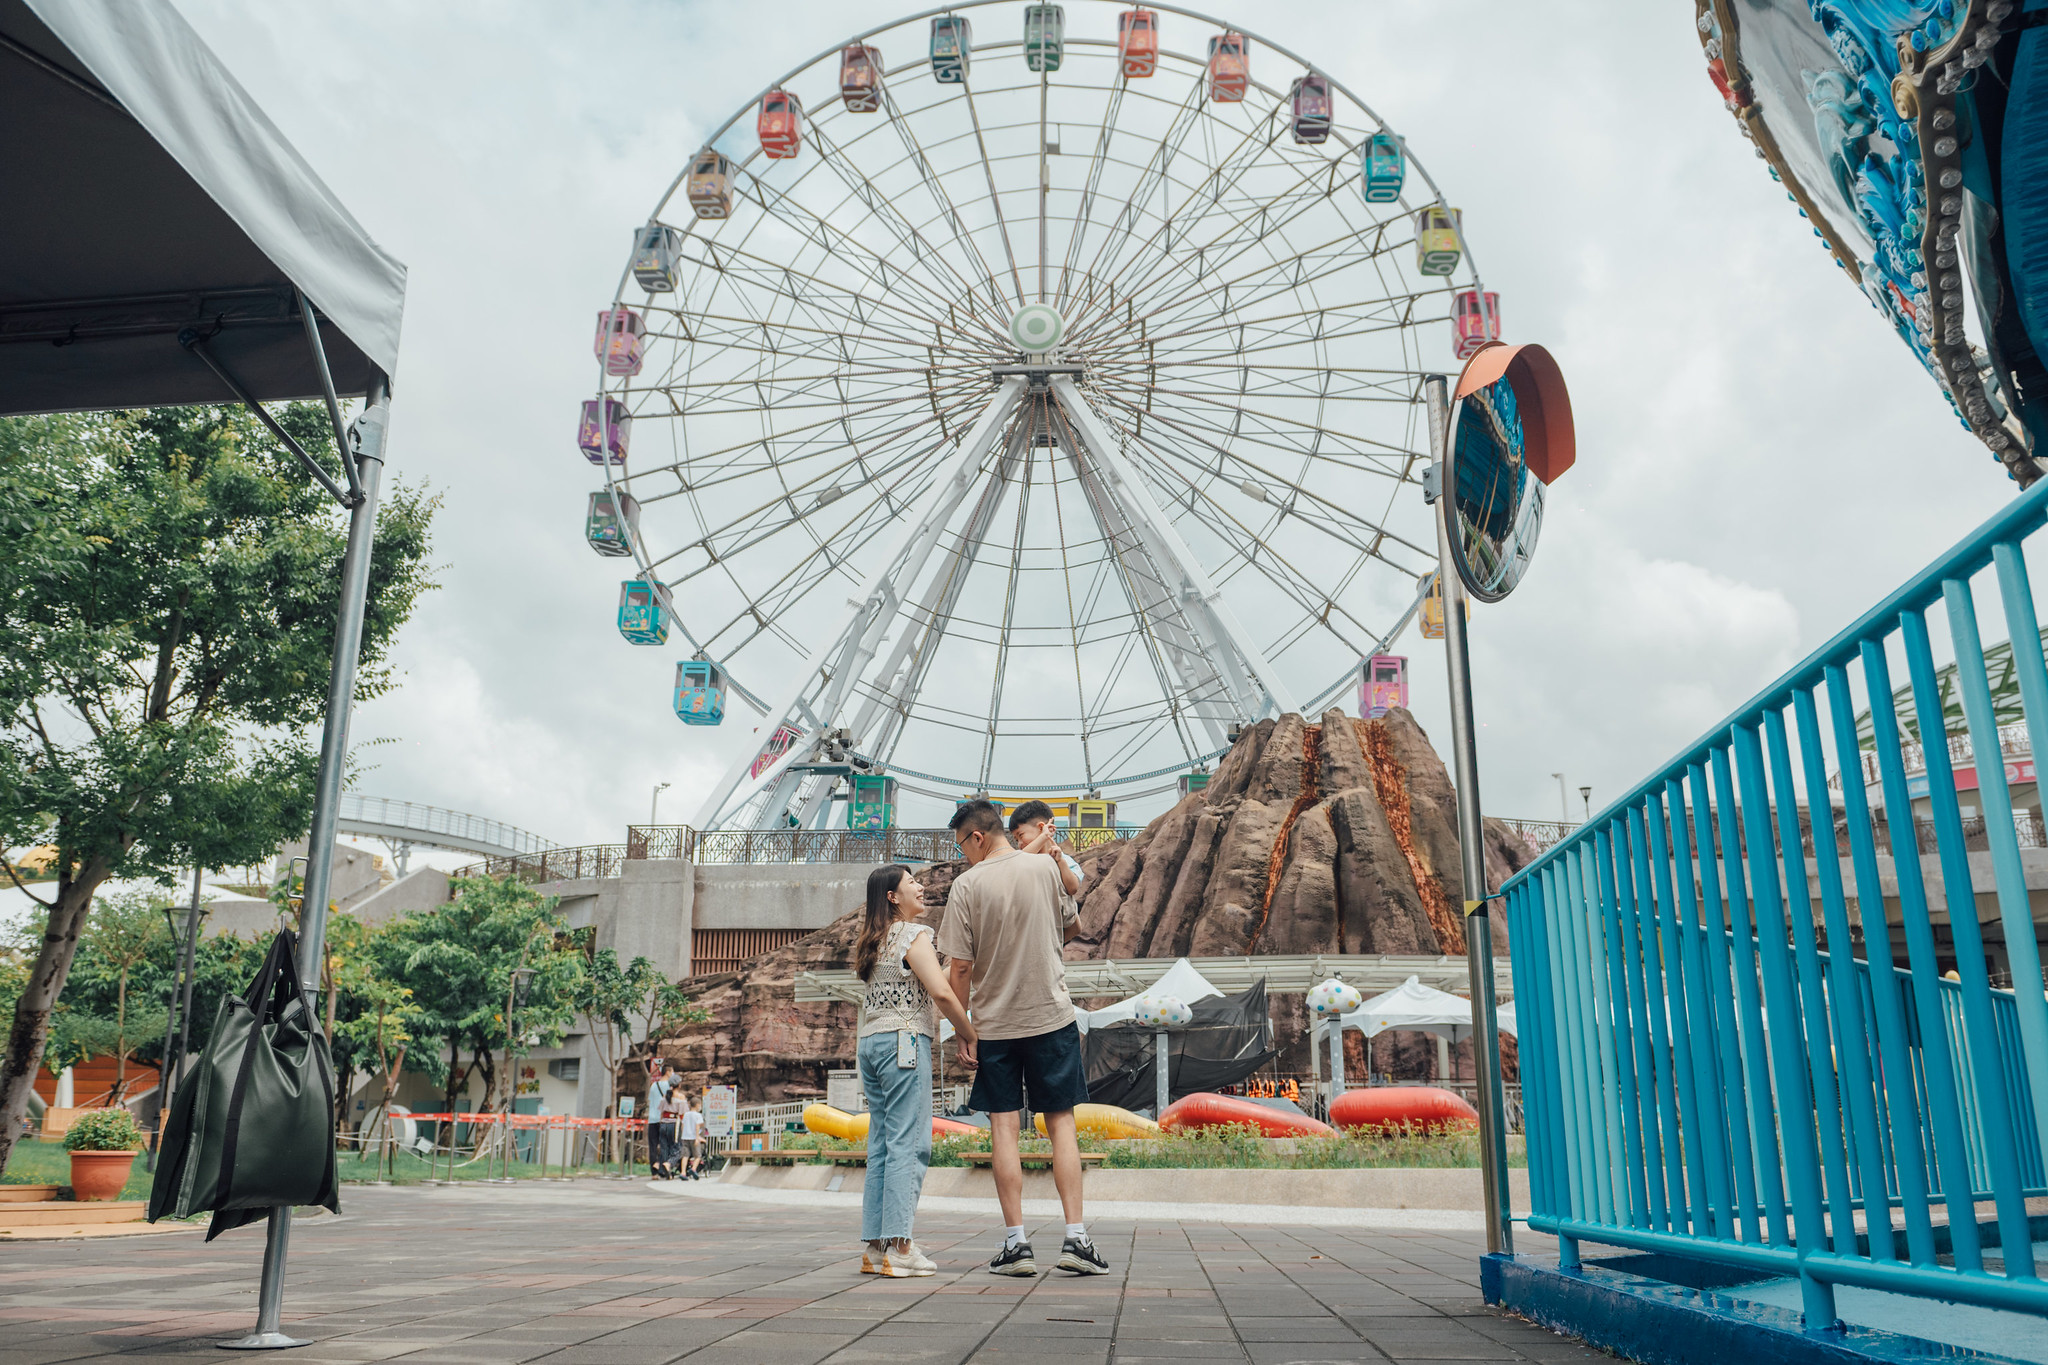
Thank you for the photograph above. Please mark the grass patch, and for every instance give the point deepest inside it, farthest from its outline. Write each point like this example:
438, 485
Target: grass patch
47, 1163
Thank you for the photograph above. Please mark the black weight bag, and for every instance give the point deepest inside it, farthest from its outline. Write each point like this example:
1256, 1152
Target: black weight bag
252, 1124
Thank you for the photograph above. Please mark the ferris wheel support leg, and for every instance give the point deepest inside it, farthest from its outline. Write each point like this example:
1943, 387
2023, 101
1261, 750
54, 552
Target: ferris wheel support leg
1225, 634
854, 636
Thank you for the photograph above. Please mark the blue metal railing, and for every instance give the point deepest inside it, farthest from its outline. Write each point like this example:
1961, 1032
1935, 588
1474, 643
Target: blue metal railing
1703, 1077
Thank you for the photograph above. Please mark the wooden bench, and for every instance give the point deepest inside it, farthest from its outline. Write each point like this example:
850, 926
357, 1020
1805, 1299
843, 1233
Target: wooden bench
773, 1156
1034, 1161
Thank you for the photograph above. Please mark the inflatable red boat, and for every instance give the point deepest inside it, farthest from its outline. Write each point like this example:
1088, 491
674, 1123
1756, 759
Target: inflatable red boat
1392, 1108
1217, 1111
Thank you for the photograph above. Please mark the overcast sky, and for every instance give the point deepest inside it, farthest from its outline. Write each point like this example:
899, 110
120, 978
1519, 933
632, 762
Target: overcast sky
1759, 458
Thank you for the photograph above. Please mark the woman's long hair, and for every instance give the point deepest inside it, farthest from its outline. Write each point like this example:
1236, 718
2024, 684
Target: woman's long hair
881, 914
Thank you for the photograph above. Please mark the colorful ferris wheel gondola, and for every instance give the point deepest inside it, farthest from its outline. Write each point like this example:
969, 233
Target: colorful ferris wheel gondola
709, 188
781, 125
1045, 37
612, 522
871, 803
654, 258
860, 78
1137, 42
1310, 101
604, 442
1438, 231
1381, 168
1230, 68
619, 341
1475, 321
952, 48
1383, 684
700, 692
643, 612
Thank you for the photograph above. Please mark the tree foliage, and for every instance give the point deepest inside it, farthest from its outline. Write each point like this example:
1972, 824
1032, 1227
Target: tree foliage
168, 602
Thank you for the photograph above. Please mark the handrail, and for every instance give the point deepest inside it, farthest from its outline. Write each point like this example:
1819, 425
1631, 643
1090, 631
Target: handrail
384, 816
1702, 1077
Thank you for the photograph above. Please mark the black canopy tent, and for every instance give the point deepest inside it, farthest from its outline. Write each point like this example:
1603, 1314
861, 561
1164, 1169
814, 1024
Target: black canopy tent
1229, 1038
162, 244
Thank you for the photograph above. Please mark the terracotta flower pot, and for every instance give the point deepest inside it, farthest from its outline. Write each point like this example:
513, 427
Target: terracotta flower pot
99, 1175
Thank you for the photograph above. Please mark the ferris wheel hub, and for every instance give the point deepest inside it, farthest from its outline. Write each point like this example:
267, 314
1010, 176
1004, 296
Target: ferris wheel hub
1036, 328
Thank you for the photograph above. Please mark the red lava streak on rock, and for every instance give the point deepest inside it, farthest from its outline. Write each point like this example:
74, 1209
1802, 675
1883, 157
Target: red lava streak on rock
1390, 779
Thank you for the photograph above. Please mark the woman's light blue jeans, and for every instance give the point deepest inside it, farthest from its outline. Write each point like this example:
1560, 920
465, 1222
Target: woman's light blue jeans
899, 1135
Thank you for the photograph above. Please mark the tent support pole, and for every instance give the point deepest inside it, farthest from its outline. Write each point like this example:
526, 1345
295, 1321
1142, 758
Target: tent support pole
1161, 1090
368, 439
1472, 850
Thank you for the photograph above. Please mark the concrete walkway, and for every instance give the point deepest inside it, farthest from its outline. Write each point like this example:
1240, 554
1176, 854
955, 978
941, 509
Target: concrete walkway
620, 1274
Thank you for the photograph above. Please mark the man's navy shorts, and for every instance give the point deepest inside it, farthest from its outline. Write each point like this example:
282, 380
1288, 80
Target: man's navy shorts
1046, 1066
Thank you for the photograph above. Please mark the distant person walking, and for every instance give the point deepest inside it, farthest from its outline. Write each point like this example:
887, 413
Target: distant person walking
689, 1134
1006, 917
894, 956
661, 1130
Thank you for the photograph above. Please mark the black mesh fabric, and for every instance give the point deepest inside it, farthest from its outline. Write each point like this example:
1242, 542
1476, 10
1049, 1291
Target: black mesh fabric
1228, 1039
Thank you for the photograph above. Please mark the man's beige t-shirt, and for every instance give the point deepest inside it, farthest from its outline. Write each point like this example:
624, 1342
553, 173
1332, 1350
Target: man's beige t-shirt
1008, 915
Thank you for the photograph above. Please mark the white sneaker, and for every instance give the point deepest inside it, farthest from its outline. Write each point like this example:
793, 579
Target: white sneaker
870, 1260
917, 1260
902, 1265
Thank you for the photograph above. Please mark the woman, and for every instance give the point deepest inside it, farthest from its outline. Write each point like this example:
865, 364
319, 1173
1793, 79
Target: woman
895, 957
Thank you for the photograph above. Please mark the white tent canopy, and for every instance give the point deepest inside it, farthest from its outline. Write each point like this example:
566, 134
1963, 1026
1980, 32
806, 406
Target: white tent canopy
149, 195
1414, 1007
1182, 982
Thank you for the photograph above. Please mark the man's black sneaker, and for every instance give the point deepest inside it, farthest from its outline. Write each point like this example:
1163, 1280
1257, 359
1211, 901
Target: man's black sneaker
1082, 1258
1014, 1260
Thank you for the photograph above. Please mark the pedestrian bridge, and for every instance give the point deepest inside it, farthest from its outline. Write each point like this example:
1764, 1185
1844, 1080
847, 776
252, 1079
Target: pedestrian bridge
409, 822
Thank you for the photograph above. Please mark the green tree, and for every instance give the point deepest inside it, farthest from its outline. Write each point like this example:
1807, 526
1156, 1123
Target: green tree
628, 1007
128, 931
379, 1023
168, 600
458, 961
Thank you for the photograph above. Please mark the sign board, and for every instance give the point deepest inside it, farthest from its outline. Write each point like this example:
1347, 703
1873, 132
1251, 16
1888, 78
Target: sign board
2018, 772
843, 1092
625, 1106
721, 1104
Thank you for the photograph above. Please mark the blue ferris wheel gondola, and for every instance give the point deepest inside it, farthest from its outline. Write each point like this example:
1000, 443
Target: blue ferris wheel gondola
700, 692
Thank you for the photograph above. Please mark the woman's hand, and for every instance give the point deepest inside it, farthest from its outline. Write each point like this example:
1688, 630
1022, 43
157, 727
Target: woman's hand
966, 1042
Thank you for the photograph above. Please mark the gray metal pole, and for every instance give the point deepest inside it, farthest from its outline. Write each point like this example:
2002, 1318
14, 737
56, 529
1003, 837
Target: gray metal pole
1160, 1057
341, 688
1472, 850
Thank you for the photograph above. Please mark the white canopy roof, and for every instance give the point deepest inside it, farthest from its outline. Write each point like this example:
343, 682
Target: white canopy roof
1181, 981
1414, 1007
150, 194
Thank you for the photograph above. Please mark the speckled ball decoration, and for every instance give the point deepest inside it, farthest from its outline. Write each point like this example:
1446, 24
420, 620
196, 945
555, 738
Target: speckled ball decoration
1162, 1011
1333, 998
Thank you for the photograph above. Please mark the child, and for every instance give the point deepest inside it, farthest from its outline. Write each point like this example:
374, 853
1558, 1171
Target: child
1032, 827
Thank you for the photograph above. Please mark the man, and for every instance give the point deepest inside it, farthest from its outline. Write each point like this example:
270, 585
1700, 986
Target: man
1006, 917
1032, 829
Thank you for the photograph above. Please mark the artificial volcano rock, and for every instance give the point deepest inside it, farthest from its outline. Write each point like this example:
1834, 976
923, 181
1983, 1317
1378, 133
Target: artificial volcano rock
1336, 837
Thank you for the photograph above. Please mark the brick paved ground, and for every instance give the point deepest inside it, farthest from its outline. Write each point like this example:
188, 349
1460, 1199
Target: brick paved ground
616, 1274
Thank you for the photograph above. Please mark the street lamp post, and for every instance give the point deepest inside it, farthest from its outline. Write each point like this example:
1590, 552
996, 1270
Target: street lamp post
654, 805
1586, 795
1564, 809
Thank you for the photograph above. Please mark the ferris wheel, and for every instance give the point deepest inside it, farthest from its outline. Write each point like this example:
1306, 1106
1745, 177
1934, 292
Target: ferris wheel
1018, 398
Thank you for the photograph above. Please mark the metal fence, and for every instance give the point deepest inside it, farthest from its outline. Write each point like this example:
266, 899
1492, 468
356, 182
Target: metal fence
1540, 834
554, 864
1702, 1079
435, 820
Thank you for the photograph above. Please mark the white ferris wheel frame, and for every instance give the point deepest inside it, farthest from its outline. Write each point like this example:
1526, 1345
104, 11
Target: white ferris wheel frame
1194, 630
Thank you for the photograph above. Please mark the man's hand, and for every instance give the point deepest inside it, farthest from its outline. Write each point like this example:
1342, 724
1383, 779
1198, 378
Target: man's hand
966, 1049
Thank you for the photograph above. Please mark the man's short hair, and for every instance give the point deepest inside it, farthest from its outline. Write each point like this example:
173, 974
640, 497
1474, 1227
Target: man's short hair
1026, 813
977, 817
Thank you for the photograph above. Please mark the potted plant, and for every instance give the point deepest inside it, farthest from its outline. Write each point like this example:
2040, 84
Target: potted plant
103, 1144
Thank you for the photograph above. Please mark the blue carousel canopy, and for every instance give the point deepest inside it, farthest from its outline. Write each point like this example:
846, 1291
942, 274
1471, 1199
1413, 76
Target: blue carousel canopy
1913, 135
